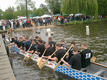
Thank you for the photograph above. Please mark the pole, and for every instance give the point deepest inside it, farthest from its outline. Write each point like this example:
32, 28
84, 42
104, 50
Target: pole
26, 11
87, 31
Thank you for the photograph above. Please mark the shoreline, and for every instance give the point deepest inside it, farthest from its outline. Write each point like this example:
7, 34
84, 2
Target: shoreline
81, 22
29, 28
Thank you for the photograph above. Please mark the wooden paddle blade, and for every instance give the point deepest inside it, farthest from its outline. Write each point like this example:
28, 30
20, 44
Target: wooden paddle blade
40, 60
24, 57
42, 64
27, 59
93, 59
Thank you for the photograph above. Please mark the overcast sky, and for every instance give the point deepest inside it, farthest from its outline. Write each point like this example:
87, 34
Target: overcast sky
4, 4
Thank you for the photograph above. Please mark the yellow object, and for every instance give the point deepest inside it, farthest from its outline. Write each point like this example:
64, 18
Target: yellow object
93, 59
40, 60
43, 63
27, 58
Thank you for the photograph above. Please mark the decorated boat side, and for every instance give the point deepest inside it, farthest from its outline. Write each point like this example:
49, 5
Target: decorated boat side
100, 72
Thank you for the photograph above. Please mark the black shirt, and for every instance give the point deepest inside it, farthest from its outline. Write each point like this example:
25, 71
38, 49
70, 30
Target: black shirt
75, 61
41, 49
59, 54
49, 51
85, 57
27, 45
33, 47
70, 54
20, 44
16, 42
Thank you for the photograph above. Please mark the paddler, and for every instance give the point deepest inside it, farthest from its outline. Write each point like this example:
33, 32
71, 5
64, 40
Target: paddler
86, 55
63, 45
68, 57
51, 42
49, 49
27, 44
40, 48
75, 61
20, 42
33, 47
59, 53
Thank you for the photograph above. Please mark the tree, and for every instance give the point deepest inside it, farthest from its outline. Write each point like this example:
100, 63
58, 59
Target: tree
9, 13
45, 9
1, 13
54, 5
21, 7
38, 12
21, 4
86, 7
102, 7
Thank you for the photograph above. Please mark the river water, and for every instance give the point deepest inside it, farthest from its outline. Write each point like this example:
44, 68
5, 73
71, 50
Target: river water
97, 42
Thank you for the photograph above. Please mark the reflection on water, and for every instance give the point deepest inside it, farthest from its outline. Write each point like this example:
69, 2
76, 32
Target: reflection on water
97, 42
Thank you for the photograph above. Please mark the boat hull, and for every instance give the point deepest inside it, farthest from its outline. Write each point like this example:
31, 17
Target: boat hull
64, 69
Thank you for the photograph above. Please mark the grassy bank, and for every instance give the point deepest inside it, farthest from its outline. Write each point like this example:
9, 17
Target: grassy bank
85, 22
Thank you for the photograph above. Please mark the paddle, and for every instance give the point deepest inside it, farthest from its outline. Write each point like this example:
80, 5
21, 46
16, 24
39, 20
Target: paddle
27, 59
40, 60
43, 63
62, 58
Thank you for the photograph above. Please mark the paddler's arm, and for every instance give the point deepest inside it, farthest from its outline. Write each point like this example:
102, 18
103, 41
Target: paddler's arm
65, 63
30, 51
53, 59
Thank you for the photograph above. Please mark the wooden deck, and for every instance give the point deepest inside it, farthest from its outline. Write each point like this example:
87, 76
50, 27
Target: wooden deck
6, 72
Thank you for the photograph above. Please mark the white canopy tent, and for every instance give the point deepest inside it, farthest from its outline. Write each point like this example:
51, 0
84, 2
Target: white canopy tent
45, 16
37, 17
71, 14
21, 18
79, 14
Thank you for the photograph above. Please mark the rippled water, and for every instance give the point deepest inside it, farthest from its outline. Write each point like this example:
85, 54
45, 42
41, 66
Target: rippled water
97, 42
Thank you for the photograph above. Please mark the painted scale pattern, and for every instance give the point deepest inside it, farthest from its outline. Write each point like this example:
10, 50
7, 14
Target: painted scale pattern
77, 74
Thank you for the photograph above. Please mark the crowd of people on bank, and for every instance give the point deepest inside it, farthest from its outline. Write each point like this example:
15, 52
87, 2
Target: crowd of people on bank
75, 59
69, 19
23, 23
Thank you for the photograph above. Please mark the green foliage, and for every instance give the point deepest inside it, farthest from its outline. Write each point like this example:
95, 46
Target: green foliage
1, 14
54, 5
45, 9
86, 7
38, 12
102, 5
21, 5
9, 13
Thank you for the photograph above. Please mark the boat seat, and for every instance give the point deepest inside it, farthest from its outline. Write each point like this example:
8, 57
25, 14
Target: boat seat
99, 72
